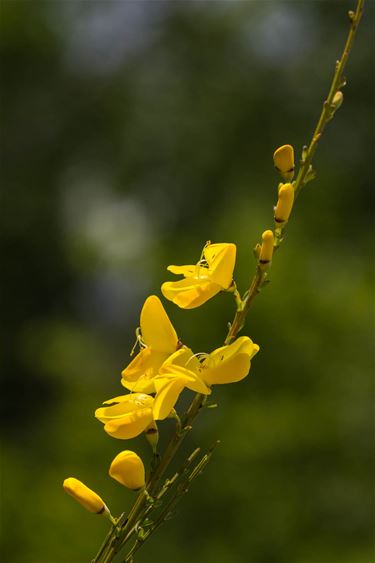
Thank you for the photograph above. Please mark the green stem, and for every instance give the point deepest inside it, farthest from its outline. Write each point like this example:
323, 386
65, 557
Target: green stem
233, 289
138, 544
119, 535
103, 547
181, 489
241, 313
325, 116
176, 441
115, 544
326, 113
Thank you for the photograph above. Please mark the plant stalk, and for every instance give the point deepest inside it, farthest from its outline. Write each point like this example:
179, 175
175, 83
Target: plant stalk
119, 535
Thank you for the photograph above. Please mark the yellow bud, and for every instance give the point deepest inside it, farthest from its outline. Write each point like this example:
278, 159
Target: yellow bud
266, 250
85, 496
283, 159
338, 98
128, 469
284, 204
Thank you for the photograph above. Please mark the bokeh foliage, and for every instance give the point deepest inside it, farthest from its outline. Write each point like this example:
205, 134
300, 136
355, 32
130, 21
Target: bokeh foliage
134, 132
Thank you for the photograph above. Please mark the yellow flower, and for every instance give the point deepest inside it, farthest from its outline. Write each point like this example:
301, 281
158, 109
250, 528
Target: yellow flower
228, 364
126, 416
159, 339
128, 469
129, 415
85, 496
283, 160
173, 377
213, 273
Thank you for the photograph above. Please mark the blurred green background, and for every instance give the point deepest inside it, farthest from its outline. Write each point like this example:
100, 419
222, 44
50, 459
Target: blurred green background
133, 132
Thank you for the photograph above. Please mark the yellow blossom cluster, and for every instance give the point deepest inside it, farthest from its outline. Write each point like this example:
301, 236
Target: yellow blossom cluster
164, 367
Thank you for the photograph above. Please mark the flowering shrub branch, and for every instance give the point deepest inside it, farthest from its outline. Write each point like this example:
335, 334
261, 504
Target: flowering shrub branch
165, 366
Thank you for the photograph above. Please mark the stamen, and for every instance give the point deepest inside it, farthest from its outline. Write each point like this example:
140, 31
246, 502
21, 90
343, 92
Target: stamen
204, 248
200, 357
138, 341
139, 338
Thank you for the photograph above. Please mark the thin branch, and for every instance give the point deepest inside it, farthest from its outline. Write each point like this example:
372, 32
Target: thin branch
126, 526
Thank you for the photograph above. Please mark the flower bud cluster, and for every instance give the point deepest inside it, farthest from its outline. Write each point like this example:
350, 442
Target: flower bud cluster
127, 468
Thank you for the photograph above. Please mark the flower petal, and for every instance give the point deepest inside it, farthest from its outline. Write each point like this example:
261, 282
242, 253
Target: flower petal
141, 364
144, 384
243, 345
122, 405
187, 271
190, 379
190, 293
168, 391
129, 425
229, 364
157, 330
138, 375
221, 259
180, 358
230, 371
137, 399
